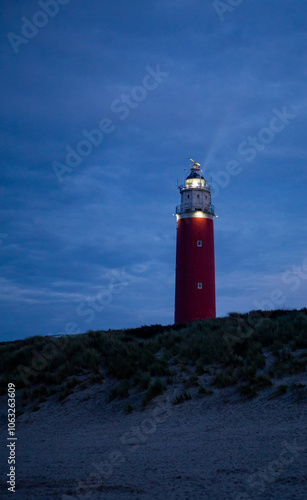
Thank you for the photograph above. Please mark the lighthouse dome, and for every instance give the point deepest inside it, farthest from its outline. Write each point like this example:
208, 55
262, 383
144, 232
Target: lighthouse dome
195, 175
195, 179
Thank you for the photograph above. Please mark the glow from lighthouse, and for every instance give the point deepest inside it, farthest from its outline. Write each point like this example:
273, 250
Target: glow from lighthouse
194, 183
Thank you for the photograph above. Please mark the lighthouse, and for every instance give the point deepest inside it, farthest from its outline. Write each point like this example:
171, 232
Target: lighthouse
195, 274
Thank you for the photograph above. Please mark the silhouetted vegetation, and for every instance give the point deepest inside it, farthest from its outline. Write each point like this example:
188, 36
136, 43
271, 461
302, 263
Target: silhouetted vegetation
231, 350
154, 389
184, 396
120, 391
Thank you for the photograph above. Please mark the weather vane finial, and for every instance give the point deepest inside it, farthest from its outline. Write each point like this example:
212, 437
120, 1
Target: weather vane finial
196, 165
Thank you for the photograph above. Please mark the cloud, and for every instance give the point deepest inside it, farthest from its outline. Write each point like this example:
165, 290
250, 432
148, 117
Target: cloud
115, 209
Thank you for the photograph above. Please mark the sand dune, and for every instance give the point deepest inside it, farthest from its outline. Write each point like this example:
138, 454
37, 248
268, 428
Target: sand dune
216, 447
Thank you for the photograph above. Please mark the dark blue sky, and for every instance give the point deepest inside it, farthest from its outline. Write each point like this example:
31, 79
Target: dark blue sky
165, 80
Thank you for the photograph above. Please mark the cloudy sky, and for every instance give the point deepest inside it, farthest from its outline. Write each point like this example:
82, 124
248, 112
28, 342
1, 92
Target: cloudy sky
102, 105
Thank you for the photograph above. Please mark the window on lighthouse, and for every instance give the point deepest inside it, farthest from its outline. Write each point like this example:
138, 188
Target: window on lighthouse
199, 286
199, 243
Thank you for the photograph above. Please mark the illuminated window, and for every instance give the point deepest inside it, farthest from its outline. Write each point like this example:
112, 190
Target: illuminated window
199, 243
199, 286
194, 183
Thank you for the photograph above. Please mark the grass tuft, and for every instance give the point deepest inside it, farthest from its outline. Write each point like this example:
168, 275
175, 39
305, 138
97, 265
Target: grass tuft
184, 396
154, 390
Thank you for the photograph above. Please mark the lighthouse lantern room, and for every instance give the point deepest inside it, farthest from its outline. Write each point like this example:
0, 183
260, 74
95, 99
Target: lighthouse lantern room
195, 274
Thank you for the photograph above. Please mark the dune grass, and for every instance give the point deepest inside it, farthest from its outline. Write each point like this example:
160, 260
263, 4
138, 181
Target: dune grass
146, 357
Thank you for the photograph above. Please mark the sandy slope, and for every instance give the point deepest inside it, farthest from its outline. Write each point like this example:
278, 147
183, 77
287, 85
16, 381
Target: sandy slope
216, 447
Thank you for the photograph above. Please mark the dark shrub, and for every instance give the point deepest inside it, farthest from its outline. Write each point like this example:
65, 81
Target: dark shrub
120, 391
154, 390
184, 396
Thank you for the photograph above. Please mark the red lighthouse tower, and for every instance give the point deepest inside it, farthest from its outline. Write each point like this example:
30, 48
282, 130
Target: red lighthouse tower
195, 275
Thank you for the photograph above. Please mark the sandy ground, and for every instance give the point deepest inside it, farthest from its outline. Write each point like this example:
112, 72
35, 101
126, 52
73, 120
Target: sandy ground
216, 447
